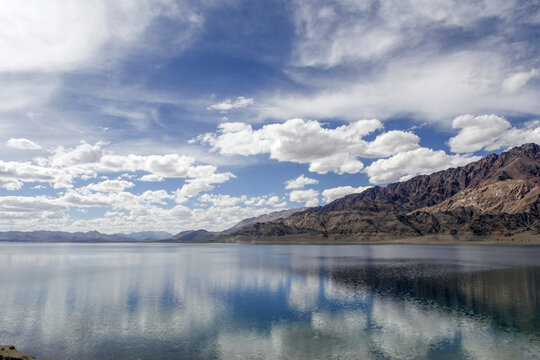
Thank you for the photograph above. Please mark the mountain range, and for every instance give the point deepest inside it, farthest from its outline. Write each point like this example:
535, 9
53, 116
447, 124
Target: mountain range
198, 235
90, 236
96, 236
497, 196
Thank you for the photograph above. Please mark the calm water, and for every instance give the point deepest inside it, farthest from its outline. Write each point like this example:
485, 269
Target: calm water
159, 301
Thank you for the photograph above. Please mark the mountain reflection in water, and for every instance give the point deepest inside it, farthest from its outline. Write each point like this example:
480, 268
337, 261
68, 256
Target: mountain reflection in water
155, 301
507, 296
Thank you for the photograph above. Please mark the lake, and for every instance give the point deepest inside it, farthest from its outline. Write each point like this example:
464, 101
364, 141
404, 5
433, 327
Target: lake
218, 301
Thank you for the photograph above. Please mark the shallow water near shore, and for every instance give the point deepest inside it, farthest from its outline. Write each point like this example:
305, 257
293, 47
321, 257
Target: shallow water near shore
218, 301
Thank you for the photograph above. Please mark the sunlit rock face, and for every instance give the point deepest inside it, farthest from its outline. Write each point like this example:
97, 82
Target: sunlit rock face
497, 195
270, 302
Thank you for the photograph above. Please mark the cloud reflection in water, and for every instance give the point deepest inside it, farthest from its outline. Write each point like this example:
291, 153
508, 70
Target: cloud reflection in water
158, 301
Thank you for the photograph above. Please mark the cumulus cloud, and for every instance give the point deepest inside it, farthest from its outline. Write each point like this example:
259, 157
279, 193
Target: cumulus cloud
10, 184
17, 172
240, 102
23, 144
126, 210
300, 182
310, 197
95, 158
112, 195
109, 186
529, 133
266, 200
309, 142
414, 162
235, 138
151, 178
86, 161
490, 132
339, 192
33, 209
476, 132
195, 186
129, 211
221, 200
80, 155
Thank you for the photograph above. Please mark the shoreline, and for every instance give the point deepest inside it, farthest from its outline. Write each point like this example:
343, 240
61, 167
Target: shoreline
9, 352
515, 240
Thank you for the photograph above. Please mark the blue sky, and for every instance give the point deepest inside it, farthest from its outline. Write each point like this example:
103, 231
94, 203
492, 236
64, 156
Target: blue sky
173, 115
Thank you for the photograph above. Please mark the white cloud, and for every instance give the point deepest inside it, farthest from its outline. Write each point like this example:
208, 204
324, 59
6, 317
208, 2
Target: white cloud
12, 171
300, 182
392, 142
109, 186
151, 178
529, 133
236, 138
195, 186
23, 93
221, 200
339, 192
148, 210
383, 59
10, 184
327, 38
308, 142
43, 42
331, 33
80, 155
23, 144
241, 102
110, 195
476, 132
414, 162
515, 82
490, 132
266, 200
433, 89
95, 158
86, 161
30, 208
310, 197
57, 36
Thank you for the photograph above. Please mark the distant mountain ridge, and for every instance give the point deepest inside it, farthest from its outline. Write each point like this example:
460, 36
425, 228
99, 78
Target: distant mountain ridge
146, 235
200, 235
498, 194
95, 236
90, 236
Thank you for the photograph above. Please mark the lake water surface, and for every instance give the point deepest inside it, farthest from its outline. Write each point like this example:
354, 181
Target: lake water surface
187, 301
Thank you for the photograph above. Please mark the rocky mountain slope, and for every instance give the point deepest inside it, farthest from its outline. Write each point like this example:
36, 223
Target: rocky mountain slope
9, 352
201, 235
497, 195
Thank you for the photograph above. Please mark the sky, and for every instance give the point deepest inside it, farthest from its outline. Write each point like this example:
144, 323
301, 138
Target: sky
123, 116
